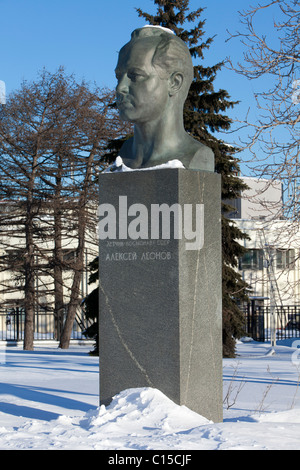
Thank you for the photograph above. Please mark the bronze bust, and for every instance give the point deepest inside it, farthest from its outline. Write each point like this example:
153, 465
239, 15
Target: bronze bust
154, 74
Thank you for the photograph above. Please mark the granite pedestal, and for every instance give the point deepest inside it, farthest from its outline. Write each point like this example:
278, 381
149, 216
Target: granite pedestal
160, 315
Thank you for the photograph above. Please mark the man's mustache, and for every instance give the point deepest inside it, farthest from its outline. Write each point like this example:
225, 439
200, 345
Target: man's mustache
123, 99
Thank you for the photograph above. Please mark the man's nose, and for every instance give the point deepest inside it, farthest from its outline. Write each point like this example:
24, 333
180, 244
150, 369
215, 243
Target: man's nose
123, 84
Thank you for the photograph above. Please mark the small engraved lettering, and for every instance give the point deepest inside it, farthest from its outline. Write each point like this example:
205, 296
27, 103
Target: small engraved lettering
127, 256
156, 255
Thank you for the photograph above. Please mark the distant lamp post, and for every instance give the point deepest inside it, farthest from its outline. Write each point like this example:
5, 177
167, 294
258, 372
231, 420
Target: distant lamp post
2, 92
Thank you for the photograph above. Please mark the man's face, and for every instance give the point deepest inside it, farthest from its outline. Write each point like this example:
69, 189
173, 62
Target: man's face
141, 93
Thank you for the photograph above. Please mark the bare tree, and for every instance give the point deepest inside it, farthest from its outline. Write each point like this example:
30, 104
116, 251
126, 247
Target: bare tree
53, 133
274, 58
271, 61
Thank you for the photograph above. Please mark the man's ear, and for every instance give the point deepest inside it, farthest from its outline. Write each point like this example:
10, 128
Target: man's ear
175, 83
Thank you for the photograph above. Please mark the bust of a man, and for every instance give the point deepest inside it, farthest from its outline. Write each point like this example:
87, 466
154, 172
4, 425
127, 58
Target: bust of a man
154, 74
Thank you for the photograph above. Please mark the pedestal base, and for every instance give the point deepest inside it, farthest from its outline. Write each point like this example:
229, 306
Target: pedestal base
160, 318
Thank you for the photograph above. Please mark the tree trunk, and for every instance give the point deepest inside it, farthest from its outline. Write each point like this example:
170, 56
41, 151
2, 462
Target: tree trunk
58, 257
71, 313
29, 290
58, 290
79, 265
75, 290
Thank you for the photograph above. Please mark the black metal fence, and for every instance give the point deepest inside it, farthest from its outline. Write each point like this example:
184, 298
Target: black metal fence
46, 325
258, 322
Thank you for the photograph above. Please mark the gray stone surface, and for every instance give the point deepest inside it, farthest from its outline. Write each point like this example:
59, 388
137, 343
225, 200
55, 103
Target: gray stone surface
160, 319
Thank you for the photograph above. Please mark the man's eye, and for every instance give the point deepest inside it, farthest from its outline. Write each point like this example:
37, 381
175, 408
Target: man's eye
134, 77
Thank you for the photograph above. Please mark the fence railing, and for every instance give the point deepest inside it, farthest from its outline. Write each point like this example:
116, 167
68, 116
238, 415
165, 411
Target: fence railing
46, 325
258, 322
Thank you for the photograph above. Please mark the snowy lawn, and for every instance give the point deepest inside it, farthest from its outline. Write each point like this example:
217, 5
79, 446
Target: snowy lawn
49, 400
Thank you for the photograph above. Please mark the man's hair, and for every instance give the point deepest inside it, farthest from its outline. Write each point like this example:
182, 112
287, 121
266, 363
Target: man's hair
171, 53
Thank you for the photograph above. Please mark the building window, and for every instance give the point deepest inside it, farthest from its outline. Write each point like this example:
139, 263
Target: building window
285, 259
253, 259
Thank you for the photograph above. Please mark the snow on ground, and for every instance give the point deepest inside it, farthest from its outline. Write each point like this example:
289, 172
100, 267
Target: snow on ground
49, 400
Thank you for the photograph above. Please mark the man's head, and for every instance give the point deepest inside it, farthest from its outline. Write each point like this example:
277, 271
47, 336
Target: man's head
155, 64
171, 54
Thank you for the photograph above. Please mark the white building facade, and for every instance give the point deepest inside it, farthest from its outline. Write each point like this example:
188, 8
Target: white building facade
271, 266
274, 245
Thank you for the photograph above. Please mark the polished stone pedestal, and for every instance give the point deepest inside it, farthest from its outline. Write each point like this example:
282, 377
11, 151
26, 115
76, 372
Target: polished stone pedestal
160, 313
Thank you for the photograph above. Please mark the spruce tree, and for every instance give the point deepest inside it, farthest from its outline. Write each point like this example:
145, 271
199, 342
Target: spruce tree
203, 117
